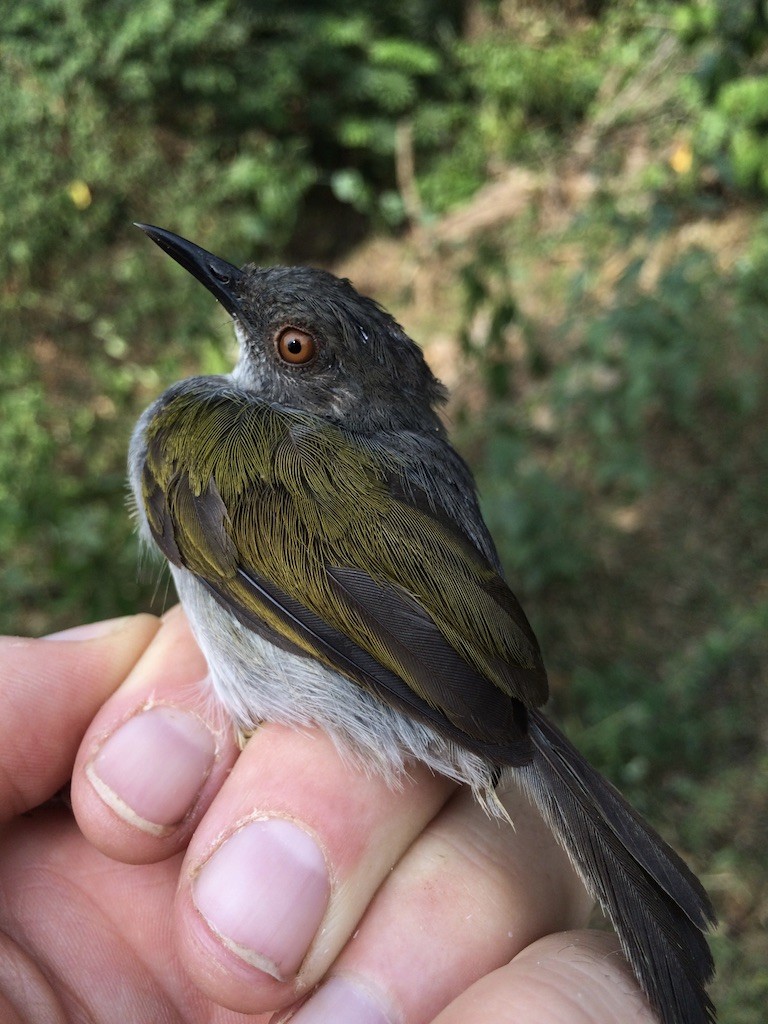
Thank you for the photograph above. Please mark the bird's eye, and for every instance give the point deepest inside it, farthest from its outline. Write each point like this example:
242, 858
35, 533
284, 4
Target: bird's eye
295, 347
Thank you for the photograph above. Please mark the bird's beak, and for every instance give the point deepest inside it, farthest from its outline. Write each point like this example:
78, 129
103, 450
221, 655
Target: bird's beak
218, 276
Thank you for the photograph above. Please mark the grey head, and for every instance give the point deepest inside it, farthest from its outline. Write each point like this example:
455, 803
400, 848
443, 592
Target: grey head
310, 341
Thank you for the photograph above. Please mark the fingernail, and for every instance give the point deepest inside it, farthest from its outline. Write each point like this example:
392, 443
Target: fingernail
90, 631
264, 892
152, 768
341, 1000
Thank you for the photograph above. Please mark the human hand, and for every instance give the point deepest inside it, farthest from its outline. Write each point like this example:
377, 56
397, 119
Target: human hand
412, 905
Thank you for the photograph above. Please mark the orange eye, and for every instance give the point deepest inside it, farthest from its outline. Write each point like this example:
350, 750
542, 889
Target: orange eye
295, 347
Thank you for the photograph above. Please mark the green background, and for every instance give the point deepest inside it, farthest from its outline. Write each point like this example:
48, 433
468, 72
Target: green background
563, 202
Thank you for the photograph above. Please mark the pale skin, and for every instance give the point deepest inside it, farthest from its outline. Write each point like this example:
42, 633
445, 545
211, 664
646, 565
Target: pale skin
427, 910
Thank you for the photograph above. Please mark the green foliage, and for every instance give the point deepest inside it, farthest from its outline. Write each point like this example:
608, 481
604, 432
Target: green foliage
538, 519
658, 357
517, 92
486, 287
729, 39
521, 83
122, 110
75, 505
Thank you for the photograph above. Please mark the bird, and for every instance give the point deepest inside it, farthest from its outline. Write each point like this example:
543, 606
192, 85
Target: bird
327, 544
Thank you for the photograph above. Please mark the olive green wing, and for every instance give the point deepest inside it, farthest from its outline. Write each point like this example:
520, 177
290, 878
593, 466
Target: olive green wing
309, 532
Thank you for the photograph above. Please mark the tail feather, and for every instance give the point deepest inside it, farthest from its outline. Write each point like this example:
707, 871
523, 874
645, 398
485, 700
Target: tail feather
658, 908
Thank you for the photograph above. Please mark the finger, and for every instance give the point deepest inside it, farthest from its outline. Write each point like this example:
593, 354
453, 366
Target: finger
50, 689
580, 977
155, 755
467, 897
84, 938
283, 866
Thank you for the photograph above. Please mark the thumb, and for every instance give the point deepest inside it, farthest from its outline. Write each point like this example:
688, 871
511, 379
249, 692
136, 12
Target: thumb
50, 689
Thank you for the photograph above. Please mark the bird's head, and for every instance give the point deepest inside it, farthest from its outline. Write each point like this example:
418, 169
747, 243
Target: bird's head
310, 341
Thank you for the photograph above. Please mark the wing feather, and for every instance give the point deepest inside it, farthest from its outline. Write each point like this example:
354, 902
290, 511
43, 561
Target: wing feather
274, 501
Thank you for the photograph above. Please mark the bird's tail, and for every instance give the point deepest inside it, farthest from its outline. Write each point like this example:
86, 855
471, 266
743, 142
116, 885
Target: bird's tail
658, 908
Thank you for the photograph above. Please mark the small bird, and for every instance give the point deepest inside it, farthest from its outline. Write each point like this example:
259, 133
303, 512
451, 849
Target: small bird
327, 544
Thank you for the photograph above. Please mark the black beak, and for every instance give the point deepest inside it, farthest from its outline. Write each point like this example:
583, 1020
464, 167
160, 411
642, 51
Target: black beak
218, 276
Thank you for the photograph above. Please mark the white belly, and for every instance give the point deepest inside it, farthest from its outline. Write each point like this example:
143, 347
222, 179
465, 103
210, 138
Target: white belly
256, 681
